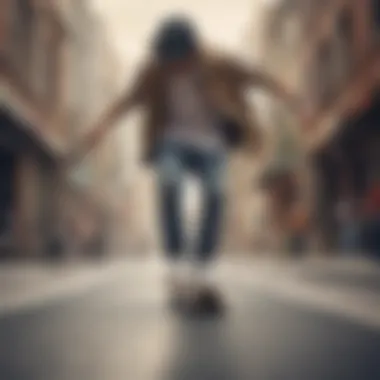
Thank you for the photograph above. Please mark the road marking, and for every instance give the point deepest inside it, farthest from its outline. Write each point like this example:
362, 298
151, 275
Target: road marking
360, 307
73, 284
357, 306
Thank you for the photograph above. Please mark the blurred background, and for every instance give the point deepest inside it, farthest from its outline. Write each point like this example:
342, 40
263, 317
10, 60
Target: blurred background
312, 191
313, 188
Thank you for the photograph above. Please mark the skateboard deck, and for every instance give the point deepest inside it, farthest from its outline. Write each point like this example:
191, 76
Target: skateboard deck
205, 302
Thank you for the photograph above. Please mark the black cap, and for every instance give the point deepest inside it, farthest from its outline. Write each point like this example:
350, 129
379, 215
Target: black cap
176, 38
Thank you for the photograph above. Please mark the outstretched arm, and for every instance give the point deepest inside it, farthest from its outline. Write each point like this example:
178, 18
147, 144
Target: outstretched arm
274, 87
120, 107
105, 124
247, 77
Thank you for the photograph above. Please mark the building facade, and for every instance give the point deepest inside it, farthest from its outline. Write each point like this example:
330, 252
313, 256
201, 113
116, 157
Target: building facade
281, 178
341, 60
243, 201
58, 72
334, 66
33, 140
93, 83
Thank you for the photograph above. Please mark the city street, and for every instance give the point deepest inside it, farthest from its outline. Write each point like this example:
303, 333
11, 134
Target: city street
271, 110
285, 321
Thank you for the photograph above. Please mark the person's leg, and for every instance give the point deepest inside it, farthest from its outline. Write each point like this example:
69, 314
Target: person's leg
211, 171
204, 295
170, 170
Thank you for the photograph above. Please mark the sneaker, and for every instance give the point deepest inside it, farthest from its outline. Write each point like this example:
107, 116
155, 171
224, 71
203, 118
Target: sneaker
207, 302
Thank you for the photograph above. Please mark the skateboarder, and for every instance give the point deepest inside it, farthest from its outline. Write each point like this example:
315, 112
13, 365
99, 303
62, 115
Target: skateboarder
196, 112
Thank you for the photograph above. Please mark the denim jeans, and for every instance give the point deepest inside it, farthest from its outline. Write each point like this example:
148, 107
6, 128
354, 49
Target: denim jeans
174, 162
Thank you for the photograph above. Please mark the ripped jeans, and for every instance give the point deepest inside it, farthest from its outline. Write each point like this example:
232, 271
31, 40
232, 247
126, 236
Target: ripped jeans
174, 162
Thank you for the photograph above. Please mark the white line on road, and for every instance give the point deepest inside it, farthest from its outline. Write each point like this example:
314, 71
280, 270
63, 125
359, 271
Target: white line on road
359, 307
70, 284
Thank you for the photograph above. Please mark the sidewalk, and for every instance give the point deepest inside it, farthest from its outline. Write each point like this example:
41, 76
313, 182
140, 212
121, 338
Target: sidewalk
26, 284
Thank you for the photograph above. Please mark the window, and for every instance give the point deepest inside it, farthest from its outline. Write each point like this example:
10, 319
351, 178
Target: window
22, 27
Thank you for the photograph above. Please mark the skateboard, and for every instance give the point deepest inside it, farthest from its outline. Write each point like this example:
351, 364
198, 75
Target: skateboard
204, 302
208, 302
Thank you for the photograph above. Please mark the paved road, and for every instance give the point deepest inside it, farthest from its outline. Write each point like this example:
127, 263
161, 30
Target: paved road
120, 329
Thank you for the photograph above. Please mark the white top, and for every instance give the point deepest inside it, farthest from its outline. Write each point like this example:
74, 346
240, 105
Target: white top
190, 120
